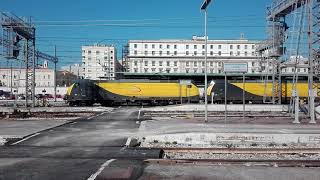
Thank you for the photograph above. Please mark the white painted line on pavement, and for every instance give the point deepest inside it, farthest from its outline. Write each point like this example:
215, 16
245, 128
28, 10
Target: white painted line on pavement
93, 176
36, 134
91, 117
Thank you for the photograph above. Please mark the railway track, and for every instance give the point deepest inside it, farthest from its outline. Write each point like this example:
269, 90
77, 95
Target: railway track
247, 161
245, 150
213, 114
244, 162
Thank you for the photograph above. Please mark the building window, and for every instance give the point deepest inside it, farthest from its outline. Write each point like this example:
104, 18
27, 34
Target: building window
231, 46
195, 47
175, 63
195, 64
146, 63
238, 46
145, 70
160, 46
253, 47
152, 46
211, 46
252, 53
145, 53
203, 46
187, 52
202, 63
146, 46
175, 52
160, 70
135, 70
175, 70
195, 70
168, 46
187, 70
187, 46
160, 63
202, 70
153, 63
245, 46
238, 53
211, 64
231, 53
219, 46
160, 53
135, 63
245, 53
135, 45
153, 53
153, 69
187, 63
195, 53
168, 70
175, 46
211, 53
202, 53
168, 52
89, 52
135, 53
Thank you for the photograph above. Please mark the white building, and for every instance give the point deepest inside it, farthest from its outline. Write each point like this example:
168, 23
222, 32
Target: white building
15, 77
187, 56
75, 69
99, 62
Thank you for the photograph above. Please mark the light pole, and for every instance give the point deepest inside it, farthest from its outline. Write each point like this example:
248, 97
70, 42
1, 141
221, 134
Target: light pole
204, 8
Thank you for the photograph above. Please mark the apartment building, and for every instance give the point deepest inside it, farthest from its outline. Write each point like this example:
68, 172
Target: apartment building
100, 62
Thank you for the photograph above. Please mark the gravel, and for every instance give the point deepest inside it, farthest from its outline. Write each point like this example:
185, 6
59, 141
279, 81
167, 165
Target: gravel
2, 141
209, 155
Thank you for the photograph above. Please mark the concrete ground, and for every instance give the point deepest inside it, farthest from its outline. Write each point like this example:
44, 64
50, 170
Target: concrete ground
10, 129
80, 149
214, 172
75, 150
191, 131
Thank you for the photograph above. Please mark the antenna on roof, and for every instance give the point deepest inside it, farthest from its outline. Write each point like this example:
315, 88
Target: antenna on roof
242, 36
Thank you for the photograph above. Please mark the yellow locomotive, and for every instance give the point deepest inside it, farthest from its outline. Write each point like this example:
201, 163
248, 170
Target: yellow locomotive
88, 92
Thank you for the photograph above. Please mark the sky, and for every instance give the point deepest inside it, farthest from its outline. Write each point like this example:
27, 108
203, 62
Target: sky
69, 24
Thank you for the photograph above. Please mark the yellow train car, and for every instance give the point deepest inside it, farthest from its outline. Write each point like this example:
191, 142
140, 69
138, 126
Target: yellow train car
146, 91
255, 91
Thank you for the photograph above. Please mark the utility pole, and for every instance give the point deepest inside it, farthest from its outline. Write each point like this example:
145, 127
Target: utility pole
204, 7
55, 74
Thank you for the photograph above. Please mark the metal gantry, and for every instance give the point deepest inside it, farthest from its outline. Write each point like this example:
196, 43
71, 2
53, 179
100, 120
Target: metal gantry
14, 30
17, 33
306, 14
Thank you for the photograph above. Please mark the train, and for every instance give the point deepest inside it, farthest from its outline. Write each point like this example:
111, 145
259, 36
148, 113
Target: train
255, 91
116, 92
85, 92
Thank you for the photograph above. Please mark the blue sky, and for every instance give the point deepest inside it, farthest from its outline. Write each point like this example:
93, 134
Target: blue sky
68, 24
